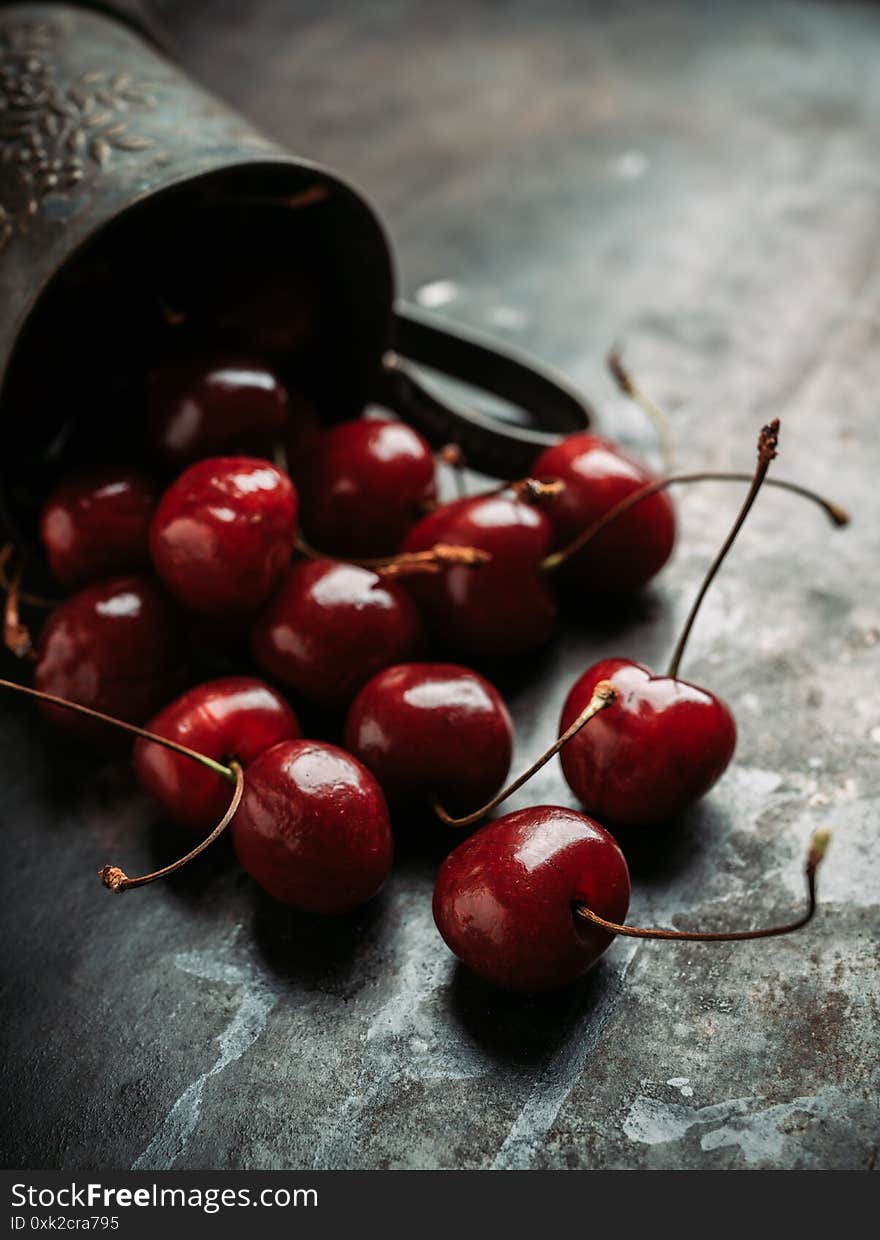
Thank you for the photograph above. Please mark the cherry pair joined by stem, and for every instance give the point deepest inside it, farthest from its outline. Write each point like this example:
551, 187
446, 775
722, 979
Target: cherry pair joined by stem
309, 822
367, 483
224, 533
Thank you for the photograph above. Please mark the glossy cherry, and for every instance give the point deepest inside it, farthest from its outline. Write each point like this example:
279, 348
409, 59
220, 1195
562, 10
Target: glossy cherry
234, 717
223, 534
504, 606
505, 899
369, 481
96, 524
312, 828
113, 647
597, 475
663, 742
661, 746
225, 402
331, 626
432, 732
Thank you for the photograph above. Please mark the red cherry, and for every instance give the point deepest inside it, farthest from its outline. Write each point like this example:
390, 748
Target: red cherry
96, 524
368, 482
330, 626
234, 717
112, 647
313, 828
224, 533
658, 748
501, 607
432, 731
597, 475
505, 899
228, 402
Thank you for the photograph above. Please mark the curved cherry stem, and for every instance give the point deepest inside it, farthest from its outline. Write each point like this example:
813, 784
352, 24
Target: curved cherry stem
117, 880
655, 414
818, 847
836, 514
603, 696
768, 441
218, 768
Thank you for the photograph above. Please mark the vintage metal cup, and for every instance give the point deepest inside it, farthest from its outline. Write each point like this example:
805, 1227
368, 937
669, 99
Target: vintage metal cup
115, 167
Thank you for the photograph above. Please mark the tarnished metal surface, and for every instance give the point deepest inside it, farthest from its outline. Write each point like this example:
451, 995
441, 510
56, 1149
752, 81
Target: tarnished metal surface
701, 182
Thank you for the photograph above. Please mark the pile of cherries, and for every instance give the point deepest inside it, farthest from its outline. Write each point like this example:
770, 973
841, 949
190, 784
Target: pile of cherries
323, 566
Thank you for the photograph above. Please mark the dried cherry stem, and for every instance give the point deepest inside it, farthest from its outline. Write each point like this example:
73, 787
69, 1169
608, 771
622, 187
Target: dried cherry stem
117, 880
529, 490
818, 848
16, 635
217, 767
603, 696
768, 441
405, 563
434, 560
657, 417
836, 514
31, 600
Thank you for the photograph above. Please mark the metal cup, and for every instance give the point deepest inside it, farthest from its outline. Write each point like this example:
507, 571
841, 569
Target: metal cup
107, 152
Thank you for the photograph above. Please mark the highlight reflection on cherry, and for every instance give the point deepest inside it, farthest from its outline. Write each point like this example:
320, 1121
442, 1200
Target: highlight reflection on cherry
432, 732
96, 523
233, 717
312, 828
368, 481
505, 899
224, 533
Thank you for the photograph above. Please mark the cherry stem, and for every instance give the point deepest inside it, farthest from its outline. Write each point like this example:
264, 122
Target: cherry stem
117, 880
658, 418
835, 512
768, 440
32, 600
227, 772
16, 635
818, 847
453, 457
603, 696
436, 558
441, 555
528, 490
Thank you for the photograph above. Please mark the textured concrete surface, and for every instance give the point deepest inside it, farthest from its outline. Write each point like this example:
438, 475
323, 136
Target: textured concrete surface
699, 181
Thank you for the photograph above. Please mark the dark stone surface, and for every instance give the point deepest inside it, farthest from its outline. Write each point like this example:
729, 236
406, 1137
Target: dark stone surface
700, 181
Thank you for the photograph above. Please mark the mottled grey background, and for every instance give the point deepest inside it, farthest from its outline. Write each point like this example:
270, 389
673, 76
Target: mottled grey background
701, 182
